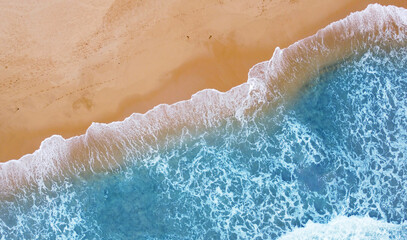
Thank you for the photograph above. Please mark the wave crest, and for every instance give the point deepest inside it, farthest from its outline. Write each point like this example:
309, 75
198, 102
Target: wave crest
106, 147
352, 227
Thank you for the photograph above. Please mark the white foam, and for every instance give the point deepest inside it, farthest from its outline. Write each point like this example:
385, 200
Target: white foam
105, 147
353, 227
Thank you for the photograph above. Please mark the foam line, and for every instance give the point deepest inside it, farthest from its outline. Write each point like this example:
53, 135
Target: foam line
342, 227
105, 147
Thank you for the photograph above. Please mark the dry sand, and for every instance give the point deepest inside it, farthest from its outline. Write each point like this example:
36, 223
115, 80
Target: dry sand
65, 64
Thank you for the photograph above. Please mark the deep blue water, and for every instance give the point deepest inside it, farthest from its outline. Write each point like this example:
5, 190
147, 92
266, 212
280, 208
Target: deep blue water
338, 149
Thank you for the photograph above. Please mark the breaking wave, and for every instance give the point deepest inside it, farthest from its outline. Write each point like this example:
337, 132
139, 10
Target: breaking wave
315, 141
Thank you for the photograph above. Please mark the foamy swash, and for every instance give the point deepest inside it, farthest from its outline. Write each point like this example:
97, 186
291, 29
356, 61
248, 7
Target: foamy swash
313, 145
107, 146
104, 146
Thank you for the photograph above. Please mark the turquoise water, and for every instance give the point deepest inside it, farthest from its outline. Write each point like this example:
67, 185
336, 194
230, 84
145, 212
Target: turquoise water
337, 150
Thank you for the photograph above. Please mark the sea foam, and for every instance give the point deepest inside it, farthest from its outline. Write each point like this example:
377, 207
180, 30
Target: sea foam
353, 227
106, 147
317, 135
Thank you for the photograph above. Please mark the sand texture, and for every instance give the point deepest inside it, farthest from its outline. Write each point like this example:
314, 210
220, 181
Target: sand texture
65, 64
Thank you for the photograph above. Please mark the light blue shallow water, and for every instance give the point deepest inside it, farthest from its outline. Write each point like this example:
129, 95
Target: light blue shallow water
339, 149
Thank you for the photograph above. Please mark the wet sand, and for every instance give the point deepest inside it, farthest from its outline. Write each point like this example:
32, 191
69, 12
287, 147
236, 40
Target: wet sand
66, 64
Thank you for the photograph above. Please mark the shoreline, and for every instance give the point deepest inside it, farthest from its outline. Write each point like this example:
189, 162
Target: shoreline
108, 147
68, 95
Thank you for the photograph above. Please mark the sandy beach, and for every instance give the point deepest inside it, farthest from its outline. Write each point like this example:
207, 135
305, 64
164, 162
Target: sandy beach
66, 64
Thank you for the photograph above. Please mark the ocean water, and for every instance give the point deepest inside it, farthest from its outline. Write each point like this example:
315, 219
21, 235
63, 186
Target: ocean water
329, 162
